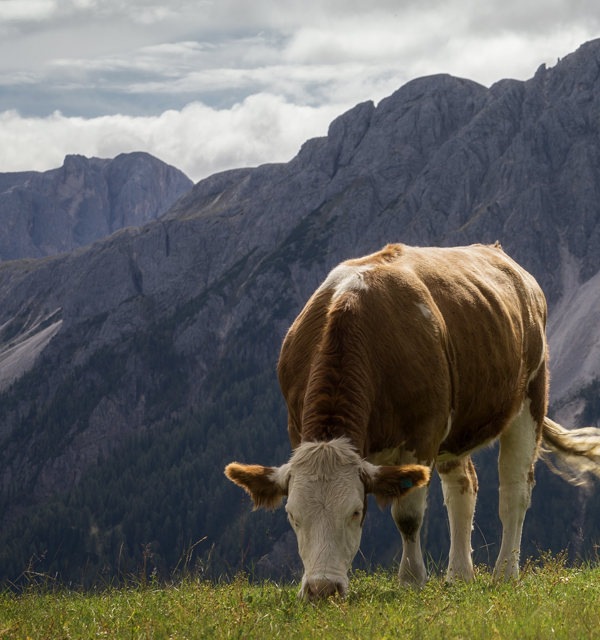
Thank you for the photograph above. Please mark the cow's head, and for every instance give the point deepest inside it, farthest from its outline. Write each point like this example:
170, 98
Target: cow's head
327, 485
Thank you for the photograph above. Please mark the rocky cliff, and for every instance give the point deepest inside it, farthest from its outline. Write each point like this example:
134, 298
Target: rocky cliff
42, 214
148, 331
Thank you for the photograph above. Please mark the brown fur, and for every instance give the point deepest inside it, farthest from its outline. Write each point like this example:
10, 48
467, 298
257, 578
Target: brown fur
370, 366
258, 482
336, 403
468, 481
386, 486
472, 475
447, 467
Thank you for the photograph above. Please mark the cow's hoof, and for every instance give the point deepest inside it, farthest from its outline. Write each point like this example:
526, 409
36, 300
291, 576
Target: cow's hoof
506, 570
464, 574
415, 579
416, 585
505, 575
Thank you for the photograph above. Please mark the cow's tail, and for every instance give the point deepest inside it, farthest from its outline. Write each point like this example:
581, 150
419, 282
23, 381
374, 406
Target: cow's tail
576, 452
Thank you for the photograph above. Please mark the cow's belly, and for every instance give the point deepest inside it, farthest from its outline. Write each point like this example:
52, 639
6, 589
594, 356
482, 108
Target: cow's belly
479, 429
387, 457
446, 455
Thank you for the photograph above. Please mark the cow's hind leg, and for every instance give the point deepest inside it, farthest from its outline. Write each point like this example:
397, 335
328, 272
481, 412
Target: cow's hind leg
459, 484
408, 516
518, 446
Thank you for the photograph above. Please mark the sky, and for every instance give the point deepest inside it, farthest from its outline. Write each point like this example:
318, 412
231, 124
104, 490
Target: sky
209, 85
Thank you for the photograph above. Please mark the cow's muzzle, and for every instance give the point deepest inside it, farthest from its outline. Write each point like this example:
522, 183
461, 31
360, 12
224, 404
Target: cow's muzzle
321, 588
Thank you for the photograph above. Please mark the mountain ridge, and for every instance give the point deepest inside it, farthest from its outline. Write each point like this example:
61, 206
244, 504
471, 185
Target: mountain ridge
159, 321
50, 212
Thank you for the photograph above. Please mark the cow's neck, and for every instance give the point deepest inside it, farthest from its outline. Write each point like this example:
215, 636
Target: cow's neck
337, 403
326, 431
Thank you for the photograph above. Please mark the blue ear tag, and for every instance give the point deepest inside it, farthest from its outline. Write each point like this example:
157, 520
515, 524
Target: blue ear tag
406, 483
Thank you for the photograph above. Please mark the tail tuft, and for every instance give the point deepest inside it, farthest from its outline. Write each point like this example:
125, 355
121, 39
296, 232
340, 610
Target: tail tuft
576, 452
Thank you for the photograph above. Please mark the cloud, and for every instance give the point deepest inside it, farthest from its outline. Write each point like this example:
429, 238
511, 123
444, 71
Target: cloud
17, 78
233, 16
199, 140
350, 61
258, 76
22, 10
324, 53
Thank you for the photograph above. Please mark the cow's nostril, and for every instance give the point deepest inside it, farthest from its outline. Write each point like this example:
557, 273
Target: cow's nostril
323, 589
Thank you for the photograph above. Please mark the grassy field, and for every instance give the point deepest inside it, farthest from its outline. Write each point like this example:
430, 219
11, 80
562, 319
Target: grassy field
549, 601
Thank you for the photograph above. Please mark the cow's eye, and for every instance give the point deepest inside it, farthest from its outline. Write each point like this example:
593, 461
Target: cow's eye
292, 520
356, 514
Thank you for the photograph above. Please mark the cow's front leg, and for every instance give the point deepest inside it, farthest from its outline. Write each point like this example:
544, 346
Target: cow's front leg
408, 516
459, 484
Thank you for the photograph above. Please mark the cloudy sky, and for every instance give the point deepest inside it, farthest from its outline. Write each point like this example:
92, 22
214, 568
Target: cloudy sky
208, 85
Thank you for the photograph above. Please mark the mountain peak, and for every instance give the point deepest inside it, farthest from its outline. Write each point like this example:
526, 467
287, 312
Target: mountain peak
82, 201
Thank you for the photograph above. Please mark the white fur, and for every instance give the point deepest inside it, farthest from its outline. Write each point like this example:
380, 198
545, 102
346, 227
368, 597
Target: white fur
346, 278
326, 497
281, 476
325, 505
412, 571
533, 374
391, 456
459, 498
448, 425
425, 310
578, 454
517, 453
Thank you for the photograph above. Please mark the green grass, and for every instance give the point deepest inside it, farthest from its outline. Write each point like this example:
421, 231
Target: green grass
549, 601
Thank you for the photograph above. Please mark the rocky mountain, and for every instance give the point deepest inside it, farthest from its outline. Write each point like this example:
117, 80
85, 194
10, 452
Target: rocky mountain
44, 213
133, 369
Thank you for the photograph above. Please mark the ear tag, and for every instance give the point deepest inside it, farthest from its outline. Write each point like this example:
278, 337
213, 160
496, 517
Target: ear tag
406, 483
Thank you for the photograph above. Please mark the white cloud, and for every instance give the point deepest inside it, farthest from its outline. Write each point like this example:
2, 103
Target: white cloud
346, 64
487, 59
19, 10
198, 140
284, 64
341, 59
18, 77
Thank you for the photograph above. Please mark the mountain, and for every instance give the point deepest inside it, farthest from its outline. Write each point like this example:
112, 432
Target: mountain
134, 369
44, 213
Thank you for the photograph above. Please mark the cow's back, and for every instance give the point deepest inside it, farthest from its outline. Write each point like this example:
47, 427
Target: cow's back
431, 333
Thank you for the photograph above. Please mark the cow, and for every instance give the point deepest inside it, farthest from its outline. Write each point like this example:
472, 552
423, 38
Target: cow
403, 360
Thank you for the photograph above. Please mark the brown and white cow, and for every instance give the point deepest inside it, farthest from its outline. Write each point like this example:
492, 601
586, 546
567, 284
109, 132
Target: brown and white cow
402, 360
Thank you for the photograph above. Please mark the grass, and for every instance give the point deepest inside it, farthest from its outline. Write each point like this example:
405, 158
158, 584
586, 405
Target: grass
550, 600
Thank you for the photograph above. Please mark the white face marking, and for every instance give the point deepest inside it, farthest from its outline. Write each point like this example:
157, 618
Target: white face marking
425, 310
325, 508
346, 278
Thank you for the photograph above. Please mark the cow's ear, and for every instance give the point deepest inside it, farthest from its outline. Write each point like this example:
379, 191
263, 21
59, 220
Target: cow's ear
267, 486
392, 483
